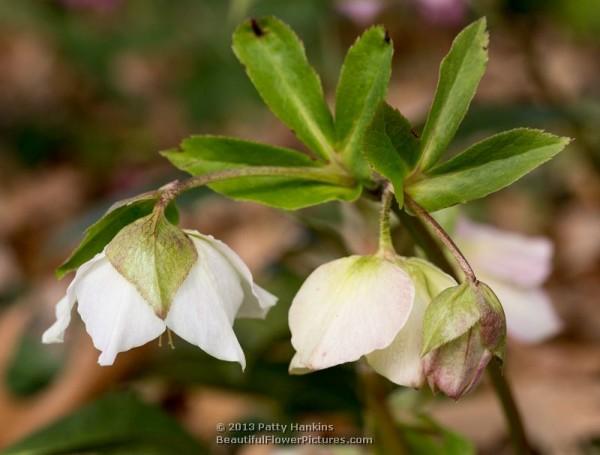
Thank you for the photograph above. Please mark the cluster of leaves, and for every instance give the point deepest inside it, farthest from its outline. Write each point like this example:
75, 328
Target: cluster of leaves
365, 134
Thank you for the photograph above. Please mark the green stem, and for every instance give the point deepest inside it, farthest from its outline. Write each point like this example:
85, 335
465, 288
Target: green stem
318, 174
509, 406
417, 227
385, 237
443, 236
380, 421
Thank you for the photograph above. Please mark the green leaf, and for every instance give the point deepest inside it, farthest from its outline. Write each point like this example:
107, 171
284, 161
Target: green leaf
202, 154
363, 84
431, 438
276, 64
486, 167
102, 231
32, 367
451, 314
155, 256
391, 147
117, 423
460, 73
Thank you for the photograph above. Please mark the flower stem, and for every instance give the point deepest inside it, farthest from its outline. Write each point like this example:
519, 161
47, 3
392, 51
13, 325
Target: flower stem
385, 237
417, 228
509, 406
380, 422
443, 236
320, 174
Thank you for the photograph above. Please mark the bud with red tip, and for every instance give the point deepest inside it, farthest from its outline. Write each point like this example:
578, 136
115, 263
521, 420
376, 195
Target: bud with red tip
464, 329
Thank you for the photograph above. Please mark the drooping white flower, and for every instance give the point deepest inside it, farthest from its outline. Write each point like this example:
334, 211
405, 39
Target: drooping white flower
217, 289
369, 306
401, 362
515, 267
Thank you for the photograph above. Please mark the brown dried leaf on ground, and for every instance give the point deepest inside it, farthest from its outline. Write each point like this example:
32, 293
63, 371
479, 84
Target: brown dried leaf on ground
37, 199
557, 390
260, 235
80, 380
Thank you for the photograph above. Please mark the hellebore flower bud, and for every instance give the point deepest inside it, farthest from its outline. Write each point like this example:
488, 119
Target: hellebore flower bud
464, 328
153, 276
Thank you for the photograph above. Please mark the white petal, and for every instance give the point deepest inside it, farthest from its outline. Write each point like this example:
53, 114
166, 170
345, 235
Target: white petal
530, 316
205, 305
525, 261
115, 314
55, 333
348, 308
401, 361
257, 301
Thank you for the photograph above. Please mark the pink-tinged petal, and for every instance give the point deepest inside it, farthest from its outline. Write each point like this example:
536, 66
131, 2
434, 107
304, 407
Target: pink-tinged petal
530, 316
361, 12
447, 12
401, 361
457, 367
348, 308
510, 257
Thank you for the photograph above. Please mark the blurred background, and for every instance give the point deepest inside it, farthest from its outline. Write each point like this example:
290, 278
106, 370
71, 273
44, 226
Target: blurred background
91, 90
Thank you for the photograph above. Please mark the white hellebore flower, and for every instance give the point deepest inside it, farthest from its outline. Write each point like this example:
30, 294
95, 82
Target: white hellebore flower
514, 266
369, 306
148, 291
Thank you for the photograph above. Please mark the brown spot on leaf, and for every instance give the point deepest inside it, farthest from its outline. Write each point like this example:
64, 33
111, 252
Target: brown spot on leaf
258, 31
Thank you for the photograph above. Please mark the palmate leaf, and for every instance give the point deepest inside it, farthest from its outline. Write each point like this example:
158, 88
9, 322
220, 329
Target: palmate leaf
202, 154
363, 84
460, 73
486, 167
276, 64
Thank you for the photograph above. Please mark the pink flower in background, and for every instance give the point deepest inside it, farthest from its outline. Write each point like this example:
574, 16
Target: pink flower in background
361, 12
514, 266
445, 12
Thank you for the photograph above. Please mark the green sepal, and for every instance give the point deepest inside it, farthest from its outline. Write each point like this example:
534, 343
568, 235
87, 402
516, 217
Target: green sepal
362, 86
155, 256
493, 321
99, 234
391, 147
450, 315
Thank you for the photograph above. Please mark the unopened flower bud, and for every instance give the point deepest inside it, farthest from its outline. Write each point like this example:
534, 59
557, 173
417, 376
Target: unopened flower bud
464, 328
